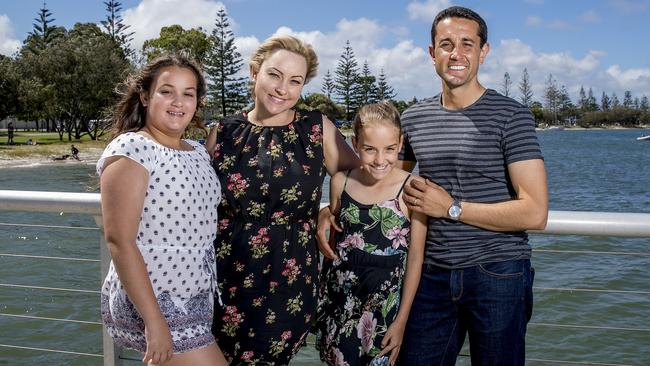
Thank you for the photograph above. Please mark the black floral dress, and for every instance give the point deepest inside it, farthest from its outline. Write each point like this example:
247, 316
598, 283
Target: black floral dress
360, 292
266, 248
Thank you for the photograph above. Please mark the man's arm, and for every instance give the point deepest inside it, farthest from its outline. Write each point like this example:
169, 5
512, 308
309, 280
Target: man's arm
528, 211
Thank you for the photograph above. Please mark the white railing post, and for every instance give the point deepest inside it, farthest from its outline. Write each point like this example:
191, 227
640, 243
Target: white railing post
111, 351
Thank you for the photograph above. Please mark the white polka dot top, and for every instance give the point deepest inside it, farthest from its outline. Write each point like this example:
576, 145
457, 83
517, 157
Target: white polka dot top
180, 208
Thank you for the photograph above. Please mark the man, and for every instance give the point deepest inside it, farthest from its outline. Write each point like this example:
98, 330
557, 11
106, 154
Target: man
10, 133
486, 184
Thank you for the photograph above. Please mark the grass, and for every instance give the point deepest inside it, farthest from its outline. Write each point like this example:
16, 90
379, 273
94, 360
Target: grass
47, 144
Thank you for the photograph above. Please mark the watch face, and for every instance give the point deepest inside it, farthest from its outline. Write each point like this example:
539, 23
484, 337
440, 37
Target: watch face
454, 211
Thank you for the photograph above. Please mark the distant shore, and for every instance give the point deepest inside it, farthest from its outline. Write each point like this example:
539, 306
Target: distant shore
86, 155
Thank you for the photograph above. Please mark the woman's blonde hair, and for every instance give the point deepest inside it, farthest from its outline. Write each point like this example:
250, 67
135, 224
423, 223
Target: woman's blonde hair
377, 112
288, 43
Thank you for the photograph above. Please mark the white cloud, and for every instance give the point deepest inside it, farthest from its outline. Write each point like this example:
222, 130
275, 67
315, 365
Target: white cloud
513, 56
150, 16
407, 67
535, 21
426, 11
589, 16
8, 44
631, 79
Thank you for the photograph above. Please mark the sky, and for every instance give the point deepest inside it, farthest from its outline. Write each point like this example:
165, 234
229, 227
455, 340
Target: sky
597, 44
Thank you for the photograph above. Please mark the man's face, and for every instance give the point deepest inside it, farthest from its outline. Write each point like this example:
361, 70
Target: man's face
457, 52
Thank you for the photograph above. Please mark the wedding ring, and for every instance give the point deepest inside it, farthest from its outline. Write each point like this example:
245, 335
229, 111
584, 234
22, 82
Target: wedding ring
415, 203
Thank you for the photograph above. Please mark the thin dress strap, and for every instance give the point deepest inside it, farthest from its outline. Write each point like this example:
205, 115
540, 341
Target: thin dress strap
402, 187
345, 183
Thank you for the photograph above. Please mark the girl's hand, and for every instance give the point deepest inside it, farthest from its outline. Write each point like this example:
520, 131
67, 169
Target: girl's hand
392, 341
159, 342
326, 220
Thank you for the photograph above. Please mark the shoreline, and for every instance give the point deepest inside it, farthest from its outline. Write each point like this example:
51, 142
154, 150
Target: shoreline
88, 156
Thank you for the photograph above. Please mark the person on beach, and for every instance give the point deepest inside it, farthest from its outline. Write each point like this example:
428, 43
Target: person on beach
159, 198
10, 133
74, 152
368, 288
485, 185
272, 162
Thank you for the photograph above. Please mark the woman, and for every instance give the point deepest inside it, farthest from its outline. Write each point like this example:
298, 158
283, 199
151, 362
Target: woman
272, 162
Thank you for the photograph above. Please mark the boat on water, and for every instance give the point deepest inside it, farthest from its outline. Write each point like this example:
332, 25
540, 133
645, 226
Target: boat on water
643, 138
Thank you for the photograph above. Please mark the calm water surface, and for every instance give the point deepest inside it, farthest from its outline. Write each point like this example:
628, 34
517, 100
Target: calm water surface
588, 171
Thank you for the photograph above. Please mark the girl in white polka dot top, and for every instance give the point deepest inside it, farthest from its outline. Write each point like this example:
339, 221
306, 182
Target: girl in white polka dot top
159, 205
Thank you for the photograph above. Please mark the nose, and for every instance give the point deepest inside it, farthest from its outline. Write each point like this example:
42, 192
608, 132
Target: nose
177, 101
281, 88
380, 158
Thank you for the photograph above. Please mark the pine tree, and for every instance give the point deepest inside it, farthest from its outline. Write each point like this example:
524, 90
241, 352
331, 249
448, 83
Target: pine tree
526, 89
506, 85
592, 105
582, 99
551, 96
347, 76
627, 99
605, 102
384, 90
227, 91
114, 26
615, 102
43, 33
644, 104
367, 86
328, 85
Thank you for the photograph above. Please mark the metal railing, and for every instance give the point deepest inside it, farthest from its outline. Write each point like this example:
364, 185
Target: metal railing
559, 223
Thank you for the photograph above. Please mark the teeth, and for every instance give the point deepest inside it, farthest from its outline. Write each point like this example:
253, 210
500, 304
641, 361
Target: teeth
457, 67
276, 99
178, 114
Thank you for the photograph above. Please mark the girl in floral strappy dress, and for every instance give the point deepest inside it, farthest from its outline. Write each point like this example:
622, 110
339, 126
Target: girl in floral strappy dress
368, 287
272, 162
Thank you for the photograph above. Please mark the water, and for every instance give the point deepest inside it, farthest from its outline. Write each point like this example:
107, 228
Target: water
588, 171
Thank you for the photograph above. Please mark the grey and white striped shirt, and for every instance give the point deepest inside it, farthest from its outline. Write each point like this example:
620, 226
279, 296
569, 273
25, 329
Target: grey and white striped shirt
467, 152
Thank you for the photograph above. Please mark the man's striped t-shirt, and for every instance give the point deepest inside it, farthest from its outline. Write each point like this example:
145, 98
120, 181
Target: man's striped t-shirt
467, 152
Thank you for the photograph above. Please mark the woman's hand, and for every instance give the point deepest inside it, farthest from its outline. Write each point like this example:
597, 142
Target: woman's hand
159, 342
326, 220
392, 341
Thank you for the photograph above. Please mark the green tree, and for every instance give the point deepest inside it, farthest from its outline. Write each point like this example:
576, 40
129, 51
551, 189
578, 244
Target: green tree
9, 82
347, 76
84, 67
526, 89
614, 101
506, 85
175, 39
605, 103
627, 99
43, 33
644, 104
227, 90
551, 97
322, 103
367, 89
329, 87
115, 27
384, 90
592, 104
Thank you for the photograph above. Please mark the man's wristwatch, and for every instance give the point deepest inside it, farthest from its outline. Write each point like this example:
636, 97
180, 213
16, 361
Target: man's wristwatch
455, 210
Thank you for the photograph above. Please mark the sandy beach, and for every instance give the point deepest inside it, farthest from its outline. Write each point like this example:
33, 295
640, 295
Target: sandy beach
86, 156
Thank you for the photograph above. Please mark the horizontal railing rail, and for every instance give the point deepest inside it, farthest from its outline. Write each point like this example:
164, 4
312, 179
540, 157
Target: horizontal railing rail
559, 223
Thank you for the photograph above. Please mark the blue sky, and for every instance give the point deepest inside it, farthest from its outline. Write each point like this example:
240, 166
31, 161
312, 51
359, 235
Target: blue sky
602, 44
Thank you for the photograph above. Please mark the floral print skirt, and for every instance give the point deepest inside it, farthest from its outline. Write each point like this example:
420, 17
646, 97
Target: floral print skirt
360, 295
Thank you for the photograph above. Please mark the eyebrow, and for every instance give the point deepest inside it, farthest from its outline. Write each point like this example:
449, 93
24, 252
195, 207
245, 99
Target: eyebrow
174, 87
278, 70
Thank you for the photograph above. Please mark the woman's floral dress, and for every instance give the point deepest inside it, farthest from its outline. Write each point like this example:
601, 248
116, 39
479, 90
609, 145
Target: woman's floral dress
266, 248
360, 291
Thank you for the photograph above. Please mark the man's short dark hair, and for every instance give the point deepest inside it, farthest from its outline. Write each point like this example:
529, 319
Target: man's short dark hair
464, 13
